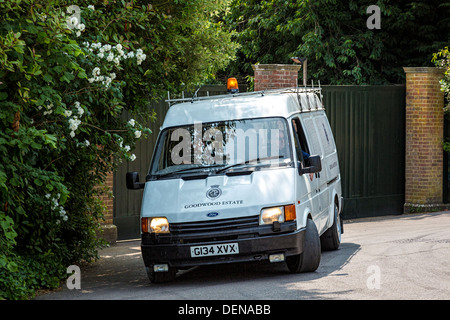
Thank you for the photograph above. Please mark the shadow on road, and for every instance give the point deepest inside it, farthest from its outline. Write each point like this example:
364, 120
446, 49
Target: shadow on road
331, 261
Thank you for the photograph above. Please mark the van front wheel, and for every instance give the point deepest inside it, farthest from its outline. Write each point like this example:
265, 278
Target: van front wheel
309, 259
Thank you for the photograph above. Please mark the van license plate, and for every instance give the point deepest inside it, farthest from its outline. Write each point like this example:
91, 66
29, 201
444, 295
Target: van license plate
214, 250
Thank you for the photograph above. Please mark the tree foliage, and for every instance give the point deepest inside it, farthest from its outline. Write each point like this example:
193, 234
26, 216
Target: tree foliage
68, 71
442, 60
333, 36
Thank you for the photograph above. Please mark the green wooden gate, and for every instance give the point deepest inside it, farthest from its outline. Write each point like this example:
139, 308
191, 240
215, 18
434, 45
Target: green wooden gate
368, 123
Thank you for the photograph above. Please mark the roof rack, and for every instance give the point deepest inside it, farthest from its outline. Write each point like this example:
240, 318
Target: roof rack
297, 90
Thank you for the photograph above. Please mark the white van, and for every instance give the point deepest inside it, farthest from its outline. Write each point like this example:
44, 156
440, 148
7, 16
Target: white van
241, 177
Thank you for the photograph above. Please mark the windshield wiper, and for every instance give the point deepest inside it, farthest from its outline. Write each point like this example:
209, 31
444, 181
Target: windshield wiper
247, 162
185, 170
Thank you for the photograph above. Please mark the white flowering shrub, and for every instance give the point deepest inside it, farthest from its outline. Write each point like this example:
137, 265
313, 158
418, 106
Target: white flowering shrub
68, 72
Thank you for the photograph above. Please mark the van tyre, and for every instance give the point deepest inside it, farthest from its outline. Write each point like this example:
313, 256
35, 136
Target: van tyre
309, 259
331, 239
161, 277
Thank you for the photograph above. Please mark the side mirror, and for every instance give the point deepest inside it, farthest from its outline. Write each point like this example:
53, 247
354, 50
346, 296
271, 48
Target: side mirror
312, 165
132, 180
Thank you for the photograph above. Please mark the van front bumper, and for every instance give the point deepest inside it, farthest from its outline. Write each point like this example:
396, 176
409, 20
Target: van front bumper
260, 243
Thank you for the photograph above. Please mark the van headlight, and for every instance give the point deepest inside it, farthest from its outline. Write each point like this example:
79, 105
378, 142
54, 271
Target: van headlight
270, 215
155, 225
280, 214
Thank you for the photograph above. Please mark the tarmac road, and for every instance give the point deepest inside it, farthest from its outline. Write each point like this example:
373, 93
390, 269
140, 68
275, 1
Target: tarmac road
394, 257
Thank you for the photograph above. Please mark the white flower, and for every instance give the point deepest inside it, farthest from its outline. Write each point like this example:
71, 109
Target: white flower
96, 71
119, 47
120, 141
72, 134
107, 47
132, 157
81, 26
96, 45
78, 33
67, 113
112, 75
91, 80
101, 55
127, 148
130, 54
73, 124
137, 134
87, 143
80, 111
110, 57
132, 122
117, 61
140, 56
91, 7
107, 81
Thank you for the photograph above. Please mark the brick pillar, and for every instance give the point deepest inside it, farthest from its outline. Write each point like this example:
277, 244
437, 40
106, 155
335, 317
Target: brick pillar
424, 135
275, 76
109, 230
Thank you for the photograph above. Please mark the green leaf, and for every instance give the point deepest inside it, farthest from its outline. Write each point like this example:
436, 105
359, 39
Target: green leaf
12, 267
82, 75
35, 145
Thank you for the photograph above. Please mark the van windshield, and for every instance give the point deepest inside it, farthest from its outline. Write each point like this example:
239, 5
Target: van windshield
220, 145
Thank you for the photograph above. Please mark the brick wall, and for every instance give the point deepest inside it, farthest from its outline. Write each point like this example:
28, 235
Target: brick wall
109, 230
424, 135
108, 199
275, 76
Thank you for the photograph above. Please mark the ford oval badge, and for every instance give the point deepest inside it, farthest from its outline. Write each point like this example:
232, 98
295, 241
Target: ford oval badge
212, 214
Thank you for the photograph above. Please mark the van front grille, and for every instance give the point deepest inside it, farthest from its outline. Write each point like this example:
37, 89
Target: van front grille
214, 230
223, 225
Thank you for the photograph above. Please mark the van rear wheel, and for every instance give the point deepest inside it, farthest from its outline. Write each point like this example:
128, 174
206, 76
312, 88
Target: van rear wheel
331, 239
309, 259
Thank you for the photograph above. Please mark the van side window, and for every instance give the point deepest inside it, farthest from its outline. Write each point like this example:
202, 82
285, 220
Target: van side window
300, 137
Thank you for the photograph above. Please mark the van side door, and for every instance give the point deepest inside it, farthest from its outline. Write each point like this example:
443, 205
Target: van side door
306, 185
315, 144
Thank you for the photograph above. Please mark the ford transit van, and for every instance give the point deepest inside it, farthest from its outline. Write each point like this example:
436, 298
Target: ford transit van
241, 177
